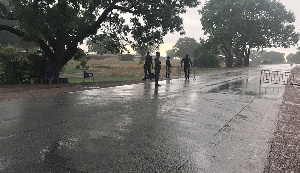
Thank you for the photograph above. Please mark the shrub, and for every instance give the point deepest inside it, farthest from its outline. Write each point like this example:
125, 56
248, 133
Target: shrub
82, 58
17, 69
36, 64
205, 59
13, 67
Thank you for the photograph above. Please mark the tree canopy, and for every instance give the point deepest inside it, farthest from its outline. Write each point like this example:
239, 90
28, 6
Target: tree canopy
96, 46
293, 58
171, 53
275, 57
205, 55
271, 56
144, 48
236, 26
58, 26
9, 39
184, 46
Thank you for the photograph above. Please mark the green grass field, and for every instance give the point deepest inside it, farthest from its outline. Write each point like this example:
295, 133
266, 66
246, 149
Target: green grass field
104, 79
114, 70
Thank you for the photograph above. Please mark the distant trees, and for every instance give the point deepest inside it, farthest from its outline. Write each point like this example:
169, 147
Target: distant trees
9, 39
206, 55
272, 56
96, 46
236, 26
293, 58
275, 57
185, 46
256, 56
143, 49
203, 54
171, 53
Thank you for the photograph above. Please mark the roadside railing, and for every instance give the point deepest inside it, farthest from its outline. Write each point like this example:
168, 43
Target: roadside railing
276, 77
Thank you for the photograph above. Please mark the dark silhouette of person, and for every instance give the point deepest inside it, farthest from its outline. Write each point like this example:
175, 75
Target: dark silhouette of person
168, 67
147, 66
157, 68
187, 64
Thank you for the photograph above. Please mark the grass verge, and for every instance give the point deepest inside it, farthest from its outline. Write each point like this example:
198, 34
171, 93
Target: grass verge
104, 79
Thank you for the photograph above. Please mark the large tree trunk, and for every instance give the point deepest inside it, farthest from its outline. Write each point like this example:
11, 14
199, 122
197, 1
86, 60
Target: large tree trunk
247, 56
229, 61
60, 63
53, 67
228, 55
58, 57
56, 71
239, 61
239, 58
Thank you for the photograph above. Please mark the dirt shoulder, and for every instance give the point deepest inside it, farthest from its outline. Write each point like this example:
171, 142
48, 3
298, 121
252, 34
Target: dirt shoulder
8, 92
284, 153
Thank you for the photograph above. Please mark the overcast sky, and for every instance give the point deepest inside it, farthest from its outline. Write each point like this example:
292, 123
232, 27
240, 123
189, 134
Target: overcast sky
193, 27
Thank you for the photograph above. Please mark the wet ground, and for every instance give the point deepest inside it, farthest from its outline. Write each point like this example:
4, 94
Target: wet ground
219, 122
284, 153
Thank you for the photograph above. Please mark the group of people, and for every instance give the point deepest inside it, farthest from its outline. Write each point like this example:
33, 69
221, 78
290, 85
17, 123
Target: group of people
186, 61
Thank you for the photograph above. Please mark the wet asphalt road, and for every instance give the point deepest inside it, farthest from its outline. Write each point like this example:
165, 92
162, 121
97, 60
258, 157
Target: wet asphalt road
220, 122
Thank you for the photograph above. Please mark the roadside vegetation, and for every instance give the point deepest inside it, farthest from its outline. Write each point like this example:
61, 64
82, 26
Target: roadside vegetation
43, 37
19, 68
113, 69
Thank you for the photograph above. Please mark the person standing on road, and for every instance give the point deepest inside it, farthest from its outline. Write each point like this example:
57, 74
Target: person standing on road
187, 64
168, 67
157, 68
147, 66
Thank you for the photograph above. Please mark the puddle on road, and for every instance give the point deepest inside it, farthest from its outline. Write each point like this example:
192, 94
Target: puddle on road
221, 75
267, 90
240, 87
234, 73
57, 146
231, 87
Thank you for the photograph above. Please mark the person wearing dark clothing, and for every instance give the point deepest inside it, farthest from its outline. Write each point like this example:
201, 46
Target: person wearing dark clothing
147, 66
187, 64
168, 67
157, 68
